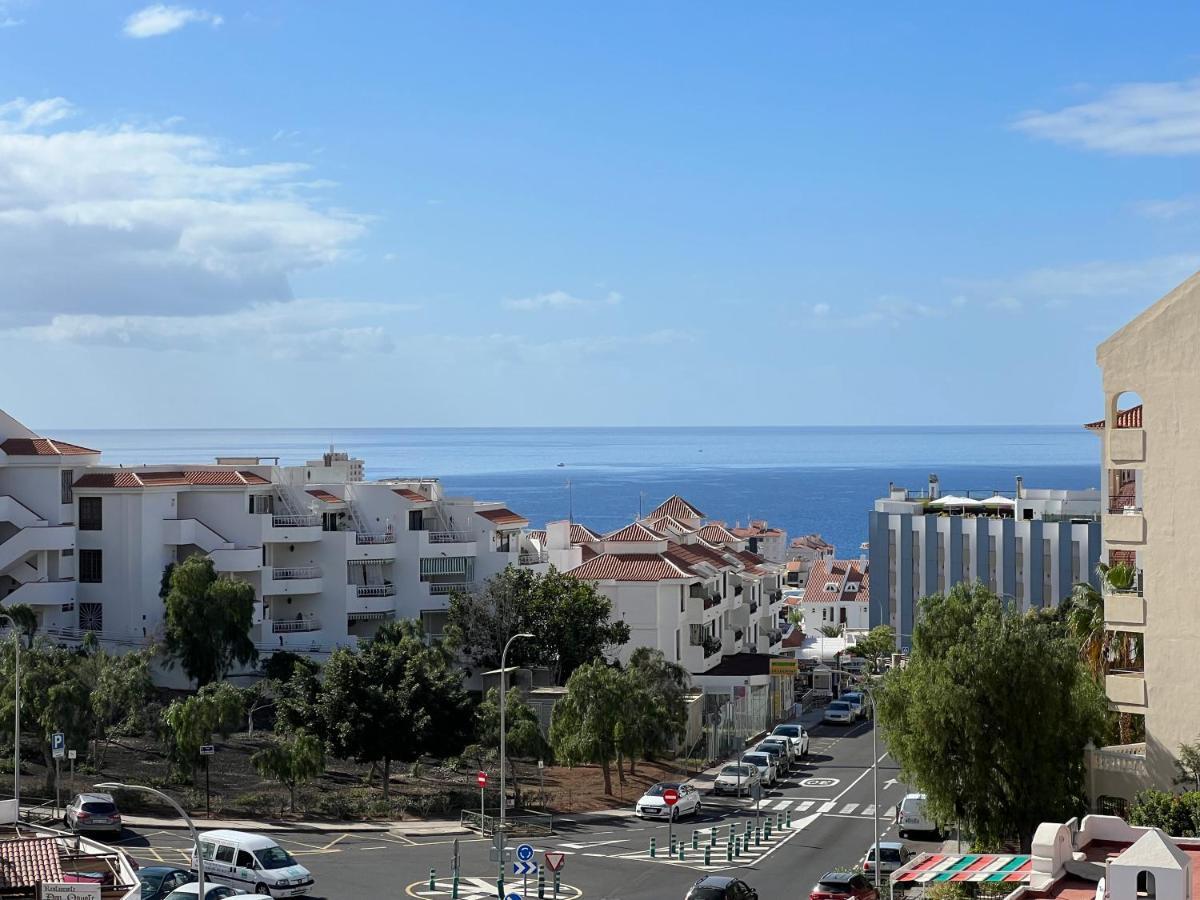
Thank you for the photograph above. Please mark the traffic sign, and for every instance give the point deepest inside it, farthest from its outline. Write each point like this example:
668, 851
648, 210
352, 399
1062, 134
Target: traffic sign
70, 754
525, 868
524, 853
555, 860
670, 796
58, 745
513, 896
494, 854
481, 779
208, 750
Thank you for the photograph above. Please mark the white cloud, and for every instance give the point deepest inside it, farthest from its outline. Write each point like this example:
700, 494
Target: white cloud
159, 19
560, 300
1006, 304
821, 309
1147, 118
1166, 210
886, 311
10, 22
130, 220
519, 349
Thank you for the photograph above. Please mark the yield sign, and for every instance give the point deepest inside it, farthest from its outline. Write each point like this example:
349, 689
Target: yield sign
554, 861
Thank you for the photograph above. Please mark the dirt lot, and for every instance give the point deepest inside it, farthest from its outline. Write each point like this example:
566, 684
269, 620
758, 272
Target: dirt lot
347, 790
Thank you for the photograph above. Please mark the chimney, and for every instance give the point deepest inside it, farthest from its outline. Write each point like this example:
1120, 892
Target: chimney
934, 487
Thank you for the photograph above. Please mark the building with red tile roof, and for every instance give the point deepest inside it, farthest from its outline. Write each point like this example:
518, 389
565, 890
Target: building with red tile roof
838, 593
677, 508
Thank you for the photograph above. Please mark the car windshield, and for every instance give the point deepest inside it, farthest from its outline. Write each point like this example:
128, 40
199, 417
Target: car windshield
770, 749
839, 706
788, 730
707, 893
150, 883
736, 770
757, 759
853, 698
839, 885
100, 807
274, 858
889, 854
658, 789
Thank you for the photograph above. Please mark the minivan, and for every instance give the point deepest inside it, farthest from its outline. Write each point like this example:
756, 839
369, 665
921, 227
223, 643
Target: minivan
253, 863
910, 816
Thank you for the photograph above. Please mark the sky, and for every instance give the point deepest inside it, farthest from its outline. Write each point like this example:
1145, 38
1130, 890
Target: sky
388, 214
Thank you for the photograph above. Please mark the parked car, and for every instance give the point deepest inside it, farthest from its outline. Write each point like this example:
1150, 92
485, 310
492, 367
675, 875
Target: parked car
212, 891
252, 862
158, 881
93, 813
721, 887
838, 712
653, 806
785, 747
766, 766
892, 855
797, 735
737, 779
843, 885
911, 817
857, 701
776, 753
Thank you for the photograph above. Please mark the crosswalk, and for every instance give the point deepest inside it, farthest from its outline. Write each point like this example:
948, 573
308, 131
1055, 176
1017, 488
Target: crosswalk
731, 847
820, 806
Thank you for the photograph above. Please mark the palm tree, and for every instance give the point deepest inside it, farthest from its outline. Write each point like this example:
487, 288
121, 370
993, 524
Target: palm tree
1085, 623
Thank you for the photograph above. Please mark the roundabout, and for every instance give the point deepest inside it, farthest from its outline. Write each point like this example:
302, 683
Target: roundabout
482, 888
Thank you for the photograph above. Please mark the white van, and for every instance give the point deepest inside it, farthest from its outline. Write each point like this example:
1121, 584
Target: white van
910, 816
253, 863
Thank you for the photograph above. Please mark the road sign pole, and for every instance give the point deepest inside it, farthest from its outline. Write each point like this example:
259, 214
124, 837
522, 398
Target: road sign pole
57, 796
207, 790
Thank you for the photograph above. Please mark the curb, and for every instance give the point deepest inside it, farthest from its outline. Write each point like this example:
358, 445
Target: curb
314, 827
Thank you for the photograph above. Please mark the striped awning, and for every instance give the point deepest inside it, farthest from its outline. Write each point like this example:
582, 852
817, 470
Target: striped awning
352, 618
932, 868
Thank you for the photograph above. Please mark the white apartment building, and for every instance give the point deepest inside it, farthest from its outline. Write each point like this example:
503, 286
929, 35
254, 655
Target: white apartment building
838, 594
688, 588
1030, 545
763, 539
329, 557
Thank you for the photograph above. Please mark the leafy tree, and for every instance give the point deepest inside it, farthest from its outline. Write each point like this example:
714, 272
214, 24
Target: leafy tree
120, 690
297, 699
1100, 649
656, 717
1188, 765
191, 722
879, 644
396, 698
208, 619
583, 727
991, 716
1176, 814
524, 741
572, 621
292, 761
25, 620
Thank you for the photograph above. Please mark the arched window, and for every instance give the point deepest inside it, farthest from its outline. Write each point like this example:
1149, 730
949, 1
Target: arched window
1127, 410
1145, 884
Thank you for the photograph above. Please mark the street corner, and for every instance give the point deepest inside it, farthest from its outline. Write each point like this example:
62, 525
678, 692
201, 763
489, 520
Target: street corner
483, 888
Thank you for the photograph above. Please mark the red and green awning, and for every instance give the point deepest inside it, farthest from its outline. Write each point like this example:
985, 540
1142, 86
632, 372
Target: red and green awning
931, 868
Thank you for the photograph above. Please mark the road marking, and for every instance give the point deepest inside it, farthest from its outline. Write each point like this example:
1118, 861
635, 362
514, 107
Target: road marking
340, 837
805, 806
826, 807
380, 847
784, 804
868, 810
590, 844
849, 808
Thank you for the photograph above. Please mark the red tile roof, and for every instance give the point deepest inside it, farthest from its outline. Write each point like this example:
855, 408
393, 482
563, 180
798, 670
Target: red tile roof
670, 522
581, 534
539, 536
1126, 418
502, 516
716, 533
757, 529
325, 496
691, 555
839, 573
411, 496
631, 567
677, 507
30, 861
138, 478
812, 542
636, 533
43, 447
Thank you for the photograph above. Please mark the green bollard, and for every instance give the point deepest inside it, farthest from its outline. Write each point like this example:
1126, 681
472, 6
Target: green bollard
767, 830
557, 882
788, 822
674, 845
454, 888
432, 877
682, 852
708, 855
729, 852
695, 840
757, 837
749, 826
712, 836
541, 883
652, 847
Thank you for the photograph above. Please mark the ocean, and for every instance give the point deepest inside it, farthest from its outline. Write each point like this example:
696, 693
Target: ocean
803, 479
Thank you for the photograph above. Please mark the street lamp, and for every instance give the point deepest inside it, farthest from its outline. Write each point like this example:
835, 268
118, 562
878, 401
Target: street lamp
16, 710
870, 692
503, 657
118, 786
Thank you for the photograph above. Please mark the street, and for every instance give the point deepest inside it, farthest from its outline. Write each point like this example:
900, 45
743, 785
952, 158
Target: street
830, 800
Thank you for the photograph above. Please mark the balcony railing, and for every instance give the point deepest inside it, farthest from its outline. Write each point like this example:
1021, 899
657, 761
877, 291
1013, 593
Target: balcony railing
1135, 587
532, 559
286, 626
710, 602
375, 590
775, 635
1124, 507
449, 537
290, 573
381, 537
295, 521
441, 588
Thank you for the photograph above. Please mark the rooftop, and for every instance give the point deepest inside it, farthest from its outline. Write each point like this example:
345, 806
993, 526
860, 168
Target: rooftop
144, 478
41, 446
676, 507
1126, 418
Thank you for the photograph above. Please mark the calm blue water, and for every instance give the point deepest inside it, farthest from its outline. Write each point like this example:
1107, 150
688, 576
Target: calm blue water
802, 479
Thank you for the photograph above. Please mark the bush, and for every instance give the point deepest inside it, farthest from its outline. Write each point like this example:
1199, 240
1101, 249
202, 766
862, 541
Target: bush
1176, 814
259, 803
343, 805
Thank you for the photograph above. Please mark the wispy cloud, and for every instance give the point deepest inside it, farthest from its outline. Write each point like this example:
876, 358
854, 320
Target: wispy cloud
160, 19
886, 311
1144, 118
1167, 210
25, 115
558, 300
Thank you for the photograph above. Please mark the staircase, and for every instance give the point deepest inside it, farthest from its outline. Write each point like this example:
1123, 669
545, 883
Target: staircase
35, 539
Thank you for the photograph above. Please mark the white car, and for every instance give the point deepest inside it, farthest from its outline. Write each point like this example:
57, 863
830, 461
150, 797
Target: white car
737, 779
653, 806
857, 702
797, 735
785, 747
838, 712
892, 855
910, 816
211, 892
251, 862
766, 766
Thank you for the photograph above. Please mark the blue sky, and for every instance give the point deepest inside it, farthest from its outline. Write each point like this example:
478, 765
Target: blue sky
394, 214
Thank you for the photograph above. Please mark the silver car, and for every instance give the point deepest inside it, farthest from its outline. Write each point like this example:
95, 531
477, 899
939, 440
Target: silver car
839, 712
766, 766
93, 813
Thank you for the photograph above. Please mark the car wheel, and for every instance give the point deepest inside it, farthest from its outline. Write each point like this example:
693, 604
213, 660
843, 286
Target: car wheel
261, 888
699, 806
903, 835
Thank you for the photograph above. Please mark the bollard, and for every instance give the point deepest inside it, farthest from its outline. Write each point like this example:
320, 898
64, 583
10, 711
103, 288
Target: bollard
652, 847
541, 883
557, 882
729, 853
749, 826
712, 836
788, 822
674, 845
432, 877
695, 840
708, 856
767, 830
757, 837
682, 852
778, 821
454, 888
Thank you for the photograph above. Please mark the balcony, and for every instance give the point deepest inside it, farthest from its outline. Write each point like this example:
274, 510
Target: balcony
291, 529
377, 537
237, 559
374, 590
370, 602
1127, 445
533, 559
295, 626
292, 580
1125, 605
1126, 526
446, 543
184, 532
43, 593
35, 539
1126, 690
362, 546
445, 588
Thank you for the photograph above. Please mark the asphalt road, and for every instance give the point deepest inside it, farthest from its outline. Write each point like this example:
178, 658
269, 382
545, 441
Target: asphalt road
830, 798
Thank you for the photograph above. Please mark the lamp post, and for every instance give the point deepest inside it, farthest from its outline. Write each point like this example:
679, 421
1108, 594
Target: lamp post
16, 710
870, 692
503, 658
118, 786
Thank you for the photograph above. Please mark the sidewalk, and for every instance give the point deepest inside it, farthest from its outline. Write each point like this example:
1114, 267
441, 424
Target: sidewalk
436, 828
706, 778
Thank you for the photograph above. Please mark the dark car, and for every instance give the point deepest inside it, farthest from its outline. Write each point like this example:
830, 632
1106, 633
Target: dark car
843, 885
158, 881
721, 887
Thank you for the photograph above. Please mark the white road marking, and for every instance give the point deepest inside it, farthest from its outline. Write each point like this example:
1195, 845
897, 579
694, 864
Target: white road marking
849, 808
805, 806
826, 807
784, 804
380, 847
868, 810
590, 844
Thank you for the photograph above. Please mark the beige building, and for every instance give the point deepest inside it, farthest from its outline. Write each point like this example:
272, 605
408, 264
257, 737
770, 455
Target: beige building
1150, 436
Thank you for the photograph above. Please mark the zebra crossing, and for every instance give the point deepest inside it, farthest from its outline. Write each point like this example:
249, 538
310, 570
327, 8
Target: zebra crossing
800, 806
733, 846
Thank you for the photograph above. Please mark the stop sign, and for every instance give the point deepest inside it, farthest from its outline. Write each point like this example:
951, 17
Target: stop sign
670, 796
482, 779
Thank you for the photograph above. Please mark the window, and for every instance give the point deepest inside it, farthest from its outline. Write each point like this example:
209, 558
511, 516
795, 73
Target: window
416, 520
207, 849
224, 854
1076, 562
1145, 884
91, 617
245, 860
262, 504
677, 656
91, 513
91, 566
68, 479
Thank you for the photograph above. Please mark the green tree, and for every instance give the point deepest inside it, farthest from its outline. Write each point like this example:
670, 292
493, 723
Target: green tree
1188, 765
292, 761
208, 619
1099, 648
297, 699
991, 716
120, 691
832, 631
572, 621
879, 644
394, 699
1176, 814
192, 721
583, 727
25, 619
656, 719
524, 741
